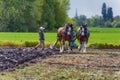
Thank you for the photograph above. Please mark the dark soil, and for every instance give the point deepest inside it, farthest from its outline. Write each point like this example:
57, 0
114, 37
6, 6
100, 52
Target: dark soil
11, 57
14, 56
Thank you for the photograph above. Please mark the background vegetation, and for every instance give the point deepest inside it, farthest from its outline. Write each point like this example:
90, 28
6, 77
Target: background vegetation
106, 20
29, 15
99, 38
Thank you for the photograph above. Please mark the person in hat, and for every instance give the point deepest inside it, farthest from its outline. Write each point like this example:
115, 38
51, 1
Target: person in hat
41, 38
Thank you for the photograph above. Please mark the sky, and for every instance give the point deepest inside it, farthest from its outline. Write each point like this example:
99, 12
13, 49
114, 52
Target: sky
92, 7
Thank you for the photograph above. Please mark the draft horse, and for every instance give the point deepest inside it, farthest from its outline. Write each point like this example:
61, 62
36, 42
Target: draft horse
82, 39
62, 37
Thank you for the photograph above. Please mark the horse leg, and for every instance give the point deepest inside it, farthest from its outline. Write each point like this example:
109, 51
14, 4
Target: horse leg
84, 47
62, 46
65, 46
79, 46
69, 47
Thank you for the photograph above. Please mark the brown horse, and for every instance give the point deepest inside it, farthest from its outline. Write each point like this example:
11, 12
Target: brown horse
62, 37
82, 39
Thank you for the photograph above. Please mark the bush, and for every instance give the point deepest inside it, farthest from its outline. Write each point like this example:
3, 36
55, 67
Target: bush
108, 24
12, 44
117, 25
30, 43
104, 46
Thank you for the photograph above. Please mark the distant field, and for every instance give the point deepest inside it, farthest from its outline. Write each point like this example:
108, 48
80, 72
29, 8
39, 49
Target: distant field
105, 35
21, 37
98, 35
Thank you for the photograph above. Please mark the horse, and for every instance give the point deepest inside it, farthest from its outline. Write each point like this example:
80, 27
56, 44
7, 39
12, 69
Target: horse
82, 39
62, 37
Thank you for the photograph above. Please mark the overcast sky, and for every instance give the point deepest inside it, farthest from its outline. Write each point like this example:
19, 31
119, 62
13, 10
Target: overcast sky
92, 7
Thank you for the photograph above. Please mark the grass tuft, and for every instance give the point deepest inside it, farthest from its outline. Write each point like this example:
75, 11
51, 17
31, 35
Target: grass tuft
12, 44
30, 43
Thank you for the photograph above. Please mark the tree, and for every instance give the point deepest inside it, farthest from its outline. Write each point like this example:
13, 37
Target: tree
47, 18
110, 14
108, 24
81, 19
6, 14
17, 15
29, 15
117, 25
54, 13
117, 18
61, 8
104, 10
96, 21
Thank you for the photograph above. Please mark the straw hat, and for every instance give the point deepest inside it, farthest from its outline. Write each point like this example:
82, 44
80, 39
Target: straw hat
42, 28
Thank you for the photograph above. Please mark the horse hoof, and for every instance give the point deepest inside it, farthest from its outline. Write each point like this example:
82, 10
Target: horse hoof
79, 48
61, 51
84, 52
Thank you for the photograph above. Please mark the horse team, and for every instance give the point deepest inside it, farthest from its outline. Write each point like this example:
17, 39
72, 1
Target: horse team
66, 34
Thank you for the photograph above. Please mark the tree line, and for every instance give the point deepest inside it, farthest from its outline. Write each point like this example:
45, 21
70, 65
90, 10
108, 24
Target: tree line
106, 20
29, 15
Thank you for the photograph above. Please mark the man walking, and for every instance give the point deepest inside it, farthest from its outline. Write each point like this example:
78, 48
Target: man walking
41, 38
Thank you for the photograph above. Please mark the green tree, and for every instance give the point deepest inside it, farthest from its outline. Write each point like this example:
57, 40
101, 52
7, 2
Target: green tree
104, 11
6, 16
29, 15
81, 19
108, 24
117, 25
61, 17
54, 13
16, 15
110, 14
48, 18
95, 21
117, 18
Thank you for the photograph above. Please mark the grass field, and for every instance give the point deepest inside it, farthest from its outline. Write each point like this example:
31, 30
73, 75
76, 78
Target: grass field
97, 35
105, 35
